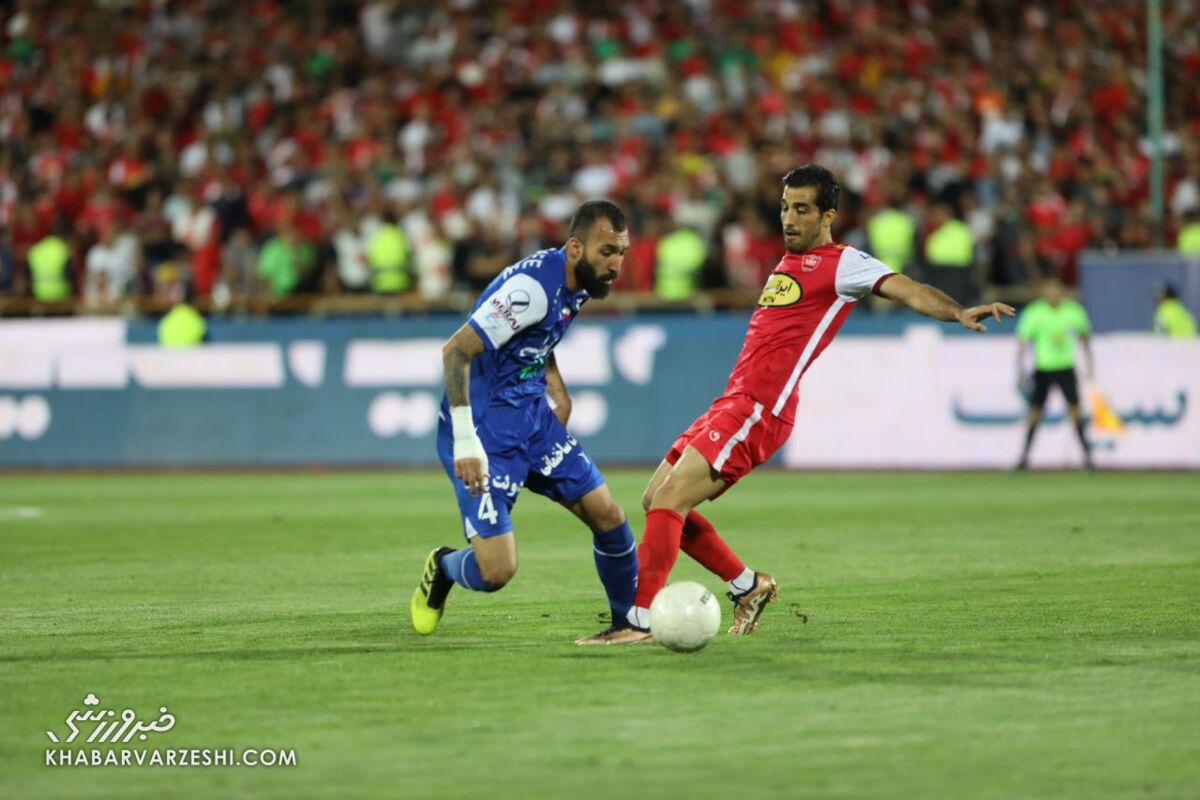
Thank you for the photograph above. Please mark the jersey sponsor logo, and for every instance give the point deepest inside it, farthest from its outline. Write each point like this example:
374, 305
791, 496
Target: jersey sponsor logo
518, 301
781, 290
809, 263
502, 311
532, 370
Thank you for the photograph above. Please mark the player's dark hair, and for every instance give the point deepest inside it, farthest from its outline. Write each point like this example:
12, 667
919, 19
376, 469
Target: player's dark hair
1168, 291
828, 190
587, 214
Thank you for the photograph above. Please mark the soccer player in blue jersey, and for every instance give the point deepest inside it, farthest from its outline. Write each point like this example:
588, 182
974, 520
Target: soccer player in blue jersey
503, 420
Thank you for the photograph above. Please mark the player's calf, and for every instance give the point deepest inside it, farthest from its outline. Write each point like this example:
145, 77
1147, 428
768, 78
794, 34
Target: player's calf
495, 561
496, 575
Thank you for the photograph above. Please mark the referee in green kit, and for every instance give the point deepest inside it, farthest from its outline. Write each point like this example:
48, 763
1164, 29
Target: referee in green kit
1052, 325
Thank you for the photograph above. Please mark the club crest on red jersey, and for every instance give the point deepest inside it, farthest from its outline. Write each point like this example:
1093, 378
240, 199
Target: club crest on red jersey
781, 290
809, 263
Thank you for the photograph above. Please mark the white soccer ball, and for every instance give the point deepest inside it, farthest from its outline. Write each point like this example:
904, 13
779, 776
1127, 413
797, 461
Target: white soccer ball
685, 616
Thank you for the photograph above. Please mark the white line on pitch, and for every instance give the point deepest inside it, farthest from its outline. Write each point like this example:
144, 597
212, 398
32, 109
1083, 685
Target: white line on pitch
20, 512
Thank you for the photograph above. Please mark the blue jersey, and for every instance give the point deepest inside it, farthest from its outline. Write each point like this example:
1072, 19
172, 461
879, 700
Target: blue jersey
521, 317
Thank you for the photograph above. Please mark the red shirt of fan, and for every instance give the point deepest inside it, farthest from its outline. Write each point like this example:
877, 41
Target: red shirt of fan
807, 298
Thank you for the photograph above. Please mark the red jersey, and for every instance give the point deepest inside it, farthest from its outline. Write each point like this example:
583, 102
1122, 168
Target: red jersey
807, 298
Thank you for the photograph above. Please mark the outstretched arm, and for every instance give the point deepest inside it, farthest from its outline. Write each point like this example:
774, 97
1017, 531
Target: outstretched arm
925, 299
470, 460
556, 390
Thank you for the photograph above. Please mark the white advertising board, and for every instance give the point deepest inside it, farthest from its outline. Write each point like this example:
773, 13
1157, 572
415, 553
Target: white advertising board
930, 401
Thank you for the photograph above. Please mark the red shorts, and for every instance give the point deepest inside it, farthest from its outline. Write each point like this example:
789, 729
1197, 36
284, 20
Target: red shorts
735, 435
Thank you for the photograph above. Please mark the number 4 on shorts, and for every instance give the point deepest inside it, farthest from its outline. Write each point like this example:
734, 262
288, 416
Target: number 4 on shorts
487, 511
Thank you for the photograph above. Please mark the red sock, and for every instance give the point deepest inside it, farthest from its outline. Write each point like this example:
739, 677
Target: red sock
701, 542
657, 553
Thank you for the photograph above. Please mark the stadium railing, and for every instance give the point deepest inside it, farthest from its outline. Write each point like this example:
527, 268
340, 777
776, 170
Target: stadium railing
413, 303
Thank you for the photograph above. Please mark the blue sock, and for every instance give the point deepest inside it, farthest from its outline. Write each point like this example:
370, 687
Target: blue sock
463, 567
616, 564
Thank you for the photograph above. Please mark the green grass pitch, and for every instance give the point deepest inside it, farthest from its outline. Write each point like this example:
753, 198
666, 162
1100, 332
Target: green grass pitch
969, 636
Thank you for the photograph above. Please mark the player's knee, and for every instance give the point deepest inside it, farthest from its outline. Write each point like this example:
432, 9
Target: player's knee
608, 517
647, 499
669, 496
497, 573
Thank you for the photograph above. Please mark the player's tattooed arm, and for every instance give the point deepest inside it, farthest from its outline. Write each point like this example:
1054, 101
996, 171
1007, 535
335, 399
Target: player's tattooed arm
556, 390
934, 303
470, 459
457, 353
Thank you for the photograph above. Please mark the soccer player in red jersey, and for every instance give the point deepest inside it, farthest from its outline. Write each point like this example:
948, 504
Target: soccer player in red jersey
806, 300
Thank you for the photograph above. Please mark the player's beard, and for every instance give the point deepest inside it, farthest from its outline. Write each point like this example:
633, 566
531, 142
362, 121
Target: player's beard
589, 278
800, 243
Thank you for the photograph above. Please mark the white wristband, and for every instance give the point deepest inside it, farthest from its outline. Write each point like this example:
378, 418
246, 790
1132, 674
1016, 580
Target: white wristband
462, 422
466, 440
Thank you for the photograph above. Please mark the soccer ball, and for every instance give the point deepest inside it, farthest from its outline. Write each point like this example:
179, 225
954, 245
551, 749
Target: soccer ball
684, 616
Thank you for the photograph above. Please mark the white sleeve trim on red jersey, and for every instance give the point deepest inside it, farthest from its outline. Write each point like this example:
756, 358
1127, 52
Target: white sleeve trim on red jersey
858, 273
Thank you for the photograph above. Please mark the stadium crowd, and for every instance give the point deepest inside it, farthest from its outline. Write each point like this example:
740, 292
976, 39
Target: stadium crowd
257, 149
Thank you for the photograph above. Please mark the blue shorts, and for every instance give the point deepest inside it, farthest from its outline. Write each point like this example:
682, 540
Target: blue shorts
548, 461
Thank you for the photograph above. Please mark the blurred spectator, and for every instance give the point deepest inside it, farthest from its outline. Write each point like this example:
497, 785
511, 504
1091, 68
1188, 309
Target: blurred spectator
183, 325
680, 259
239, 259
194, 228
432, 259
228, 203
950, 254
642, 256
948, 241
102, 211
982, 225
350, 251
1071, 235
494, 121
49, 269
751, 251
26, 230
1189, 234
153, 230
387, 255
110, 268
1171, 317
129, 172
891, 236
285, 261
479, 258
